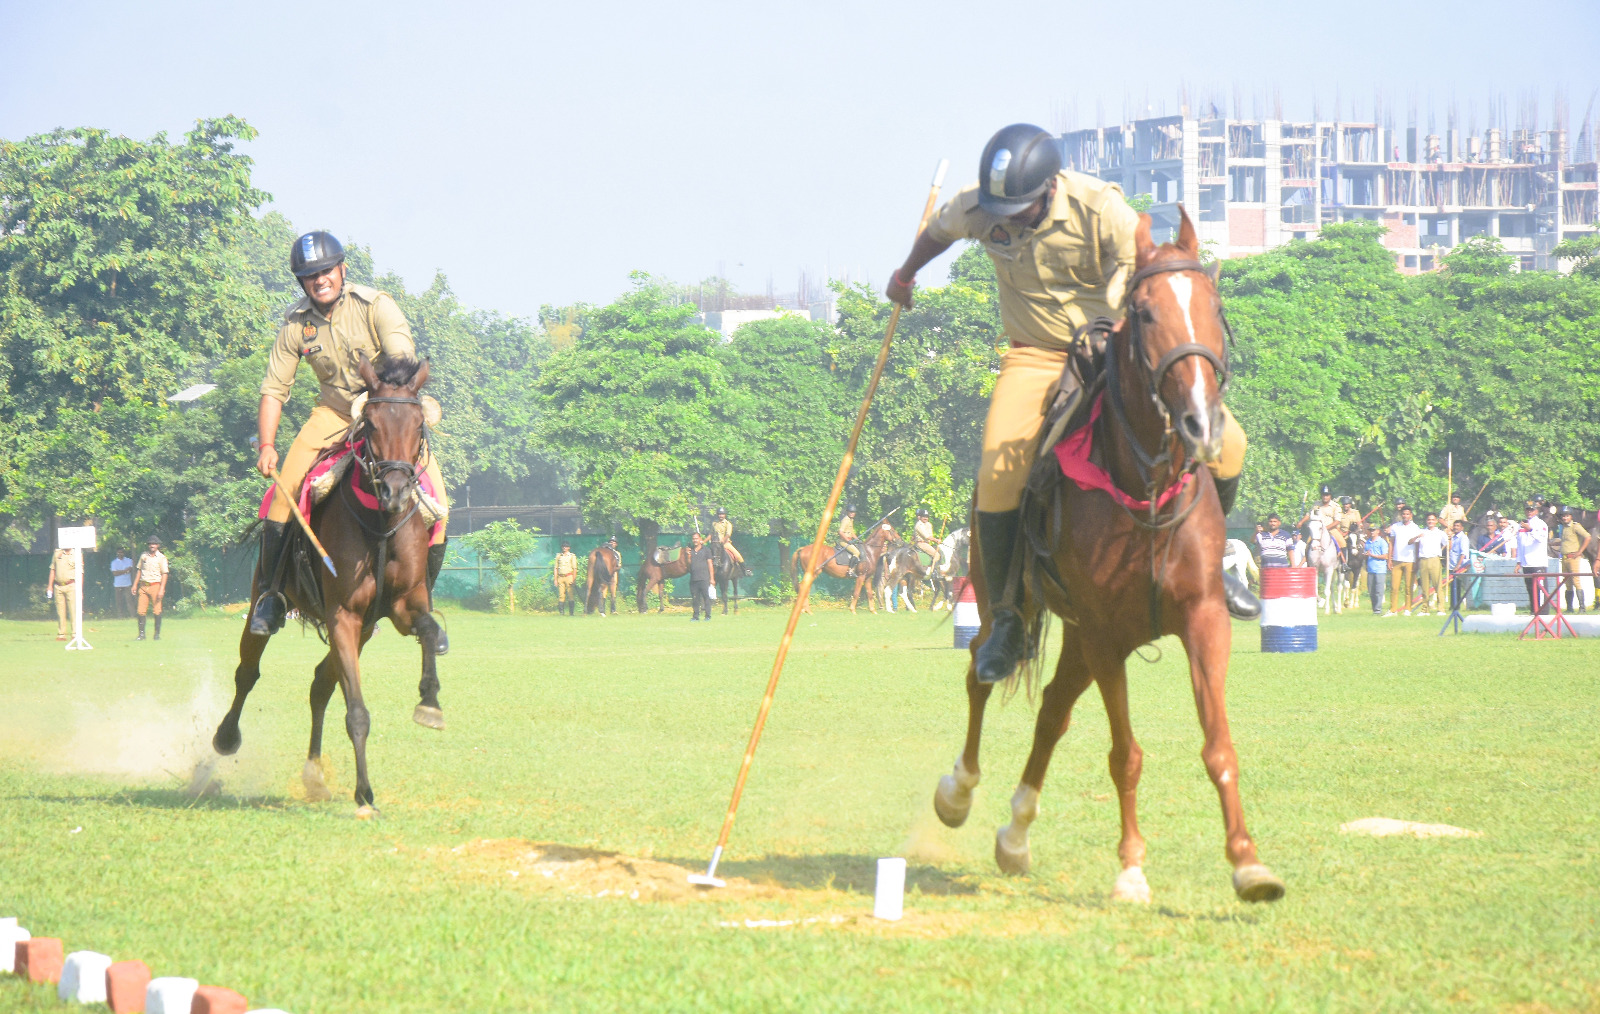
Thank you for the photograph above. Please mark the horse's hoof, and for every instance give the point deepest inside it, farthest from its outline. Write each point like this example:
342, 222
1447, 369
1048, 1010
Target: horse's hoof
316, 788
1254, 882
1131, 886
951, 802
1014, 861
366, 811
433, 718
226, 741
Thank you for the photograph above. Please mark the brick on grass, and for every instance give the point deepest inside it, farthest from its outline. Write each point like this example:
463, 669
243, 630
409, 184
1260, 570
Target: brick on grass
126, 982
217, 1000
39, 959
170, 995
83, 978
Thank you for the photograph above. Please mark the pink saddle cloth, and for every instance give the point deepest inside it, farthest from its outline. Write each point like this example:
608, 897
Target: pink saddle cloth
327, 464
1074, 451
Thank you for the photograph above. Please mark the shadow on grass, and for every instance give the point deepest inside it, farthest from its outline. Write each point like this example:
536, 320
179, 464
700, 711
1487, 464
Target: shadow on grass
839, 871
174, 799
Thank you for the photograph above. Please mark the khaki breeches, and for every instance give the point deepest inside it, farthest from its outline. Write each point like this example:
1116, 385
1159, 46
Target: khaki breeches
1402, 575
564, 583
1022, 395
63, 598
737, 556
322, 430
149, 600
1430, 573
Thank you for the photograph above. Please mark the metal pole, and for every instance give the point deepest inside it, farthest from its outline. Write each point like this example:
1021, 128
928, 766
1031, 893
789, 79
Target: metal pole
709, 879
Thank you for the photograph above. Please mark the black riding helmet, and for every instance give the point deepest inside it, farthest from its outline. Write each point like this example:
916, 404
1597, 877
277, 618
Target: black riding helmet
922, 512
1017, 166
849, 508
314, 253
722, 512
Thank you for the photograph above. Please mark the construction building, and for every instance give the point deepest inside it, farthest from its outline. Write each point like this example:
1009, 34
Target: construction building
1253, 184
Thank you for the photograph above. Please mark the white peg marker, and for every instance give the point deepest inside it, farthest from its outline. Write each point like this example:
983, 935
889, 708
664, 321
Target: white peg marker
889, 900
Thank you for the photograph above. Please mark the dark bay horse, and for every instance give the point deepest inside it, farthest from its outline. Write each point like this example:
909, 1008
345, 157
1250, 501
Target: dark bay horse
1121, 574
865, 570
727, 571
390, 541
605, 564
655, 570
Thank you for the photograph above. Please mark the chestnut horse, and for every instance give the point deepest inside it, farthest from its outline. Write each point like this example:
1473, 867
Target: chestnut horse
866, 569
605, 564
655, 570
390, 540
1122, 573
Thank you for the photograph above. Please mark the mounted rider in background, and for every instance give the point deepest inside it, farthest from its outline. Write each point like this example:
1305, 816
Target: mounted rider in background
922, 536
848, 542
722, 535
1063, 248
331, 328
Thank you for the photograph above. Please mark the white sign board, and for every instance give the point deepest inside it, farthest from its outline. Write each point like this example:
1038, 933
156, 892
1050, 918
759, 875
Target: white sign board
76, 538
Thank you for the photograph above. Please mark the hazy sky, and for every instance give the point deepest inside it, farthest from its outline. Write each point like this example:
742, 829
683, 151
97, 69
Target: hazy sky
537, 153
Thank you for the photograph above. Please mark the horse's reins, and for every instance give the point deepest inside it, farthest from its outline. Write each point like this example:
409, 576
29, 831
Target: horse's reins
376, 470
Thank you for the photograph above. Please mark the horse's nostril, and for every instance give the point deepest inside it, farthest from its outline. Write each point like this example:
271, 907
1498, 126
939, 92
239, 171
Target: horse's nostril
1192, 425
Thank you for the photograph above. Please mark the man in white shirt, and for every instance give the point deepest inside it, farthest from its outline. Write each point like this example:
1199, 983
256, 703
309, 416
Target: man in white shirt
1297, 550
1403, 536
1533, 554
122, 584
1431, 544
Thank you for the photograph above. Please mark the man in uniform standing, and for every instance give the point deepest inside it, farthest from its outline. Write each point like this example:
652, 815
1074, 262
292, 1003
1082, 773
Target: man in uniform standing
1575, 541
150, 584
564, 571
1063, 247
847, 535
722, 534
922, 535
1431, 546
332, 328
1452, 513
63, 575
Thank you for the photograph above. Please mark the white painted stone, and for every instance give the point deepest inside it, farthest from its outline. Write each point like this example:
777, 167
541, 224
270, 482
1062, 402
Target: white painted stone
170, 995
10, 935
889, 898
83, 978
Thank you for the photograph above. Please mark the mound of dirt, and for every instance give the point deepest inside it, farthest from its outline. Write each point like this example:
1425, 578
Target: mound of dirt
552, 867
1384, 827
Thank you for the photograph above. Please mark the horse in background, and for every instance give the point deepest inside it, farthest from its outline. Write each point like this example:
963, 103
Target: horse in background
1236, 560
953, 551
862, 571
901, 573
655, 570
1324, 555
726, 572
605, 564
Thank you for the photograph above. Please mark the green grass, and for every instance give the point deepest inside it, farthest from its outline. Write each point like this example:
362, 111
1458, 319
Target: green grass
625, 734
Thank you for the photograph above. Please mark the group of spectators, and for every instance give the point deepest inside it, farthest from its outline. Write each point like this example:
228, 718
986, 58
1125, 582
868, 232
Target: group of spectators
1407, 567
137, 586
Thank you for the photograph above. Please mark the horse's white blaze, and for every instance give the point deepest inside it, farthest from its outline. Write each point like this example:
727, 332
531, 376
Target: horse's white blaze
1183, 292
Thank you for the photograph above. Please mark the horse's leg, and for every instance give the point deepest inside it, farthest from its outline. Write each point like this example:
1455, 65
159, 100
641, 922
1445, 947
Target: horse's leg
952, 800
1011, 851
251, 647
345, 638
322, 683
1126, 761
1206, 638
421, 622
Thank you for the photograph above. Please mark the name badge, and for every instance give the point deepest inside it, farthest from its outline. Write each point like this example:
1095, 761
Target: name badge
312, 350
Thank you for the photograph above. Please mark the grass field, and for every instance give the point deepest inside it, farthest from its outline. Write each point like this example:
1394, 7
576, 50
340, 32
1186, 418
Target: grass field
624, 734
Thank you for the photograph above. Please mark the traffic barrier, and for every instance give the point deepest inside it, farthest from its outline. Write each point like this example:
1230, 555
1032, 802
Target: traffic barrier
83, 978
126, 982
217, 1000
1288, 609
965, 615
170, 995
38, 959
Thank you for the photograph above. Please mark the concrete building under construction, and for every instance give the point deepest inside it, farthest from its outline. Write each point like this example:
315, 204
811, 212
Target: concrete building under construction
1254, 184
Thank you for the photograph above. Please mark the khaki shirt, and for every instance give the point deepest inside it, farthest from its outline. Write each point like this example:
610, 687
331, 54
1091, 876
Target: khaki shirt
66, 570
151, 568
566, 564
1572, 537
1055, 278
923, 530
723, 530
363, 320
847, 529
1349, 519
1451, 514
1328, 512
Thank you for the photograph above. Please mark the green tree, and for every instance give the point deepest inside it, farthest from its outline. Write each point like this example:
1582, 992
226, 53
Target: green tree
502, 544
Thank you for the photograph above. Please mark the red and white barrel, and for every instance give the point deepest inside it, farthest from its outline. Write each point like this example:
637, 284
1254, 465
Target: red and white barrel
965, 614
1288, 609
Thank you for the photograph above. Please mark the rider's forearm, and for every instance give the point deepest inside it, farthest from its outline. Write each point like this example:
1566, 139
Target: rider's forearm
267, 417
925, 249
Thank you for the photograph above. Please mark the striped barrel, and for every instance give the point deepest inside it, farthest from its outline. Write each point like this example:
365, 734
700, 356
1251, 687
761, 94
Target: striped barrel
966, 612
1288, 609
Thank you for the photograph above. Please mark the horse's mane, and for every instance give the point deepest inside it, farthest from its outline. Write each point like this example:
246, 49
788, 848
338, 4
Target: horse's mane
397, 371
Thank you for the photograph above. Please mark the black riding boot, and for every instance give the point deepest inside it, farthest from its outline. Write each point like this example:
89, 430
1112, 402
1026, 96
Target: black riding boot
270, 610
141, 630
1242, 602
999, 655
158, 626
436, 564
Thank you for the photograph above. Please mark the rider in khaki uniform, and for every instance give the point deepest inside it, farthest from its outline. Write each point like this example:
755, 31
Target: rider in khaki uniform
1453, 513
564, 570
1349, 517
847, 534
922, 534
331, 328
1063, 246
722, 532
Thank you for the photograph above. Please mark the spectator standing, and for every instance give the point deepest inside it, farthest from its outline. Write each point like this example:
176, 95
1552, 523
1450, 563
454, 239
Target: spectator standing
700, 576
564, 572
1533, 554
1431, 545
1274, 543
1376, 549
63, 575
1452, 513
1575, 541
1297, 550
1403, 536
122, 584
150, 584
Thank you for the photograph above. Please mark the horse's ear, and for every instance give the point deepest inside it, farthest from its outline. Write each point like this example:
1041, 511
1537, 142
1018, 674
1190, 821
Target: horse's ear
1144, 247
1188, 242
419, 378
1213, 270
369, 376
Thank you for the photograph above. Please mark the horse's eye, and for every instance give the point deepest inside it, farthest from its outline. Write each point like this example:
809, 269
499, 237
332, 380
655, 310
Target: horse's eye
1145, 316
